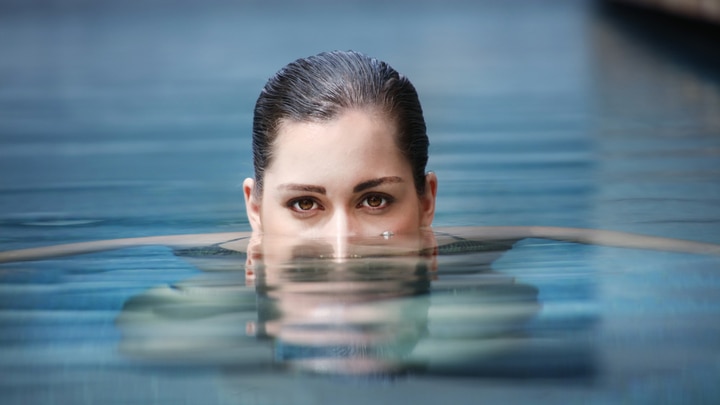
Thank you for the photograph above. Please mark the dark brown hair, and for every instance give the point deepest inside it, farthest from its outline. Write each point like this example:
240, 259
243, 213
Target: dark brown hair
321, 87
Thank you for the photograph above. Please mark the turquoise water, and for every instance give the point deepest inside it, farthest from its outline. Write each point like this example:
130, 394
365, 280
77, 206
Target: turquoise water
126, 120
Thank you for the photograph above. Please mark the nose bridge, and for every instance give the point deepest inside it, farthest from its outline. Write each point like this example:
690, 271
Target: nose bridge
341, 224
341, 227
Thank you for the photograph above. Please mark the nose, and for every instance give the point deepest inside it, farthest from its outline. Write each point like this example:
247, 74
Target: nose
339, 228
337, 223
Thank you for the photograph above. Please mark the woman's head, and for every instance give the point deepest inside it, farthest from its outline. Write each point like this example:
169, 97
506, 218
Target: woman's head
316, 94
321, 87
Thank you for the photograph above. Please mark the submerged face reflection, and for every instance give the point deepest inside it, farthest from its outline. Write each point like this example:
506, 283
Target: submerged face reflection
340, 178
359, 316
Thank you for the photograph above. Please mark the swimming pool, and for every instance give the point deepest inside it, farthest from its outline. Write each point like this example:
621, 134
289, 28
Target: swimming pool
123, 121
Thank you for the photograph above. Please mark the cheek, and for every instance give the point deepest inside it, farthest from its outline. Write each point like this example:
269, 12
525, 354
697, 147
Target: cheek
405, 218
274, 219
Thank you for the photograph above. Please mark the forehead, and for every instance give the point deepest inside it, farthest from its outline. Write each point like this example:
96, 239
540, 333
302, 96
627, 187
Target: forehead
348, 129
356, 140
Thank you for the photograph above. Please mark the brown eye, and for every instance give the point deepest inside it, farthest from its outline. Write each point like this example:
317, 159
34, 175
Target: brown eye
304, 204
374, 201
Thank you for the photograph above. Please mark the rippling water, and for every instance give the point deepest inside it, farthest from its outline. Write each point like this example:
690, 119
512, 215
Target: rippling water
121, 120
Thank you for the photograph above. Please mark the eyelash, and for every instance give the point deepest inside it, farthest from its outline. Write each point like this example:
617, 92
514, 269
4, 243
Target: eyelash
292, 204
386, 201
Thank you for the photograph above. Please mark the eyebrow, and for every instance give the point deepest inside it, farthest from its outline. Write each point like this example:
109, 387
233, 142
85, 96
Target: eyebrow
376, 182
302, 187
365, 185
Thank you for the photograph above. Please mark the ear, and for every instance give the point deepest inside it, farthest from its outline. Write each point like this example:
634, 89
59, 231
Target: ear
252, 205
427, 200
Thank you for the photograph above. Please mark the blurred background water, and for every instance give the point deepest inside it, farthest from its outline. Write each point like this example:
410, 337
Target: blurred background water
122, 119
138, 114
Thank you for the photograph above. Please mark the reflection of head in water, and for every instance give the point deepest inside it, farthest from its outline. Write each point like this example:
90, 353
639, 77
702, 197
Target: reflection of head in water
354, 316
339, 149
370, 313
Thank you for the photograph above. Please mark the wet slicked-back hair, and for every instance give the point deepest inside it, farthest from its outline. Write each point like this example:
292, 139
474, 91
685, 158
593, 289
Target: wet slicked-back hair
321, 87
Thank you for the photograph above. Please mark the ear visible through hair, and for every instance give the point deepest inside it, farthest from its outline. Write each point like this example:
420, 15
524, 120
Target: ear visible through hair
427, 200
252, 205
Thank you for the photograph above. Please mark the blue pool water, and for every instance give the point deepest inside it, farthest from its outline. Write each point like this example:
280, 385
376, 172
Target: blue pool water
123, 120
